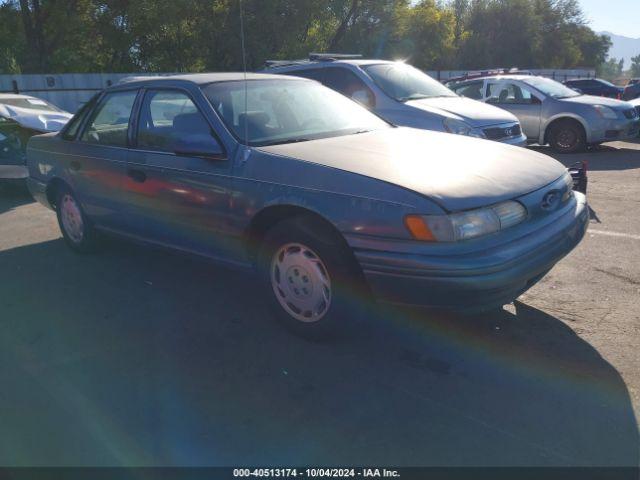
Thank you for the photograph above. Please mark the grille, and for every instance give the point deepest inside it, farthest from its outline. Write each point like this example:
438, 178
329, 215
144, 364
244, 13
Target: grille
632, 113
638, 111
497, 133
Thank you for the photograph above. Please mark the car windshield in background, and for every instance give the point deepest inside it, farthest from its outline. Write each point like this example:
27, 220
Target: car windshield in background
29, 103
287, 111
551, 88
404, 82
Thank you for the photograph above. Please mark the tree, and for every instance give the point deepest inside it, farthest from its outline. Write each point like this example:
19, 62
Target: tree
611, 69
635, 66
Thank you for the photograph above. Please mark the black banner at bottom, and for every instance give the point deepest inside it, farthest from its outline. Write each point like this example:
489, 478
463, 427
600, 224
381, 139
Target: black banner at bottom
404, 473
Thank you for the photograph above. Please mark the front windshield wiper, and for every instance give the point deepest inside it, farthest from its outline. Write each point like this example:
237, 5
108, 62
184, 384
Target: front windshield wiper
287, 140
419, 96
413, 96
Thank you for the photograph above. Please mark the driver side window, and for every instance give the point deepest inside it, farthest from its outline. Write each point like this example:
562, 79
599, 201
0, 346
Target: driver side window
509, 94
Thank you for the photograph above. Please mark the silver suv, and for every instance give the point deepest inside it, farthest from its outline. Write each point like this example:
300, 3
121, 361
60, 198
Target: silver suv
552, 113
405, 96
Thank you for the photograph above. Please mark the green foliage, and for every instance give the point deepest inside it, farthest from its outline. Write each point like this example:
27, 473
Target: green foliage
611, 69
197, 35
635, 66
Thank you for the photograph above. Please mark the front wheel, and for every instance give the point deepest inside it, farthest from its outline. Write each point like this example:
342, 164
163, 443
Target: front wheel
310, 278
567, 136
76, 228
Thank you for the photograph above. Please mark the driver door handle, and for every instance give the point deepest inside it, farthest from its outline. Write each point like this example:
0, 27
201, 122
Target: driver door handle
137, 175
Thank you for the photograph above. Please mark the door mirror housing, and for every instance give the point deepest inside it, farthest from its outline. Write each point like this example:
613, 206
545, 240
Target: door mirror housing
535, 100
199, 145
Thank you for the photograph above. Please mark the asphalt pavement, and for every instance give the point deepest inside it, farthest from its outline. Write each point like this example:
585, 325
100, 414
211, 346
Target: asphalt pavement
140, 357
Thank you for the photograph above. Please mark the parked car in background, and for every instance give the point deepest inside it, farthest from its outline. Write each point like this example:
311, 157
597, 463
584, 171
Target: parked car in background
596, 87
405, 96
552, 113
327, 201
21, 117
636, 104
632, 90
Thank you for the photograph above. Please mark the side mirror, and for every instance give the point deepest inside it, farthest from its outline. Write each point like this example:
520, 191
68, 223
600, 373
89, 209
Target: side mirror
535, 100
362, 97
577, 90
199, 145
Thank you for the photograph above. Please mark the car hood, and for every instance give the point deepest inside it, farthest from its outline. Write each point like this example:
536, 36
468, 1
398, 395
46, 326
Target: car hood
593, 100
41, 120
457, 172
474, 113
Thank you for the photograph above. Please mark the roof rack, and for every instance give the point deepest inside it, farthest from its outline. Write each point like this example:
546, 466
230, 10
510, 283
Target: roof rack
487, 73
329, 57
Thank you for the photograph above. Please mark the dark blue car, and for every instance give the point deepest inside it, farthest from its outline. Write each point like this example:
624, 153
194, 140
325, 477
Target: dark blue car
325, 200
632, 90
596, 87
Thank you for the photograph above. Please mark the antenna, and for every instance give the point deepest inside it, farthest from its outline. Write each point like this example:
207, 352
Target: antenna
246, 89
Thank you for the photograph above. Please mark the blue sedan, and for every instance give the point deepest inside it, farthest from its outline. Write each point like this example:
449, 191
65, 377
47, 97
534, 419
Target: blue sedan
327, 202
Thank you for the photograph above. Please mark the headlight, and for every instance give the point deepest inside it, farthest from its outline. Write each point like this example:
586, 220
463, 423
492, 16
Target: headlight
466, 225
453, 125
606, 112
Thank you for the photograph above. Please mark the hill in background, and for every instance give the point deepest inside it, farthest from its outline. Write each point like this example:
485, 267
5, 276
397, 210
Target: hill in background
623, 47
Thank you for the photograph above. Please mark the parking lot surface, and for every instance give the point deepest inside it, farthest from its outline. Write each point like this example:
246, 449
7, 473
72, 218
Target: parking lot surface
135, 356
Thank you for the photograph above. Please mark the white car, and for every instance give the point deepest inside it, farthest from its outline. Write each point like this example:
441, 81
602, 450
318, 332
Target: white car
21, 117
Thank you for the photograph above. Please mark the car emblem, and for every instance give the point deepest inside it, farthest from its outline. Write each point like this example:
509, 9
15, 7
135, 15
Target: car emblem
550, 200
508, 132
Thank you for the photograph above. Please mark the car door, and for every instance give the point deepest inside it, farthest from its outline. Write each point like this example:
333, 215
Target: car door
97, 161
178, 193
519, 100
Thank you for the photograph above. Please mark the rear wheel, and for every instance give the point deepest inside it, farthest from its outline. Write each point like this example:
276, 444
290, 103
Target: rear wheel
567, 136
310, 278
77, 230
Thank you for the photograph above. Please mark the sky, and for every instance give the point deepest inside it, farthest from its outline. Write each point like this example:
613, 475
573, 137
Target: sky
616, 16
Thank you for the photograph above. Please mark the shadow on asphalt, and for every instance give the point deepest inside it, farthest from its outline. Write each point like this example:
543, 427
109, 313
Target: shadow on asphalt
134, 356
12, 196
601, 158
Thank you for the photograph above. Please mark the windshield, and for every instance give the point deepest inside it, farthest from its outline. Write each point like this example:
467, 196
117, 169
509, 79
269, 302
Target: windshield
551, 88
29, 103
286, 111
404, 82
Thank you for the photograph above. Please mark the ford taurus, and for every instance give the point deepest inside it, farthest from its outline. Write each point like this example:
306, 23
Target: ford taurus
329, 203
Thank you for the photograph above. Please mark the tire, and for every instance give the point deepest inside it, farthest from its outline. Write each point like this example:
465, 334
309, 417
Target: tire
567, 136
311, 279
76, 228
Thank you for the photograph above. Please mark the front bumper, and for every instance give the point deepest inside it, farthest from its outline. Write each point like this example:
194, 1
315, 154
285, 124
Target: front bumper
614, 130
479, 280
13, 172
520, 141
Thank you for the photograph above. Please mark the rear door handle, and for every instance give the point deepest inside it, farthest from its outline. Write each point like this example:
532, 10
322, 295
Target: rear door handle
75, 165
137, 175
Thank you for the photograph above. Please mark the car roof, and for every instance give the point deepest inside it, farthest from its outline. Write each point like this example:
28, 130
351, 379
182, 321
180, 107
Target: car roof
494, 77
303, 64
195, 78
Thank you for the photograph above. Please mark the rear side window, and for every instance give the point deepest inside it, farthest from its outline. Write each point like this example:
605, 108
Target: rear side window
109, 122
165, 116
